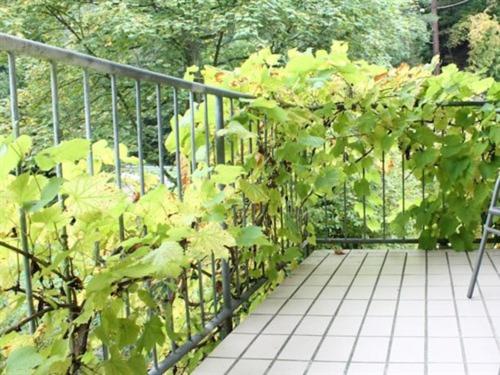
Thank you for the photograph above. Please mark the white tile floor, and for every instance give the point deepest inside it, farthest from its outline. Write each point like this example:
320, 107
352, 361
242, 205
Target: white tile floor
371, 312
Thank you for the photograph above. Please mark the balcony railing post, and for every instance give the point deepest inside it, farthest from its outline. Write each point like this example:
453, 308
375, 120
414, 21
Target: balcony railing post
221, 159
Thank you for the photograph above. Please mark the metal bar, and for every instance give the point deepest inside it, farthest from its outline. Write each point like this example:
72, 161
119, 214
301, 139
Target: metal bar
14, 112
193, 129
202, 298
88, 125
383, 197
364, 208
140, 152
210, 327
159, 120
214, 283
177, 145
186, 303
227, 298
73, 58
441, 241
116, 148
219, 125
207, 130
403, 193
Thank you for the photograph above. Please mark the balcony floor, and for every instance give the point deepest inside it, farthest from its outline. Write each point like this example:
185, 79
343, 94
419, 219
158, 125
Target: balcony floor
371, 312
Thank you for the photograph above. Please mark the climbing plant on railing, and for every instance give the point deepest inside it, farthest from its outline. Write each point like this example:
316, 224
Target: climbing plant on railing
319, 120
336, 120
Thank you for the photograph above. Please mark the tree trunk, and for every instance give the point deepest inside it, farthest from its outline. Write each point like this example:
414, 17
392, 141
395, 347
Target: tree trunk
435, 32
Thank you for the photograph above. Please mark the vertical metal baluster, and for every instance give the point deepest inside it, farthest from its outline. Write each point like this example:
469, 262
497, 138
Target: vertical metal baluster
231, 114
177, 144
14, 112
226, 274
90, 165
344, 225
214, 283
118, 167
202, 298
364, 209
88, 126
116, 147
207, 130
159, 120
383, 197
186, 302
140, 152
265, 135
403, 196
193, 138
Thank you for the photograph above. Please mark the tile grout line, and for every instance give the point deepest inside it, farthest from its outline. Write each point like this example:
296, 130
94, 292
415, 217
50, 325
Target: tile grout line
488, 315
393, 328
370, 299
426, 323
323, 337
462, 345
237, 359
304, 315
492, 263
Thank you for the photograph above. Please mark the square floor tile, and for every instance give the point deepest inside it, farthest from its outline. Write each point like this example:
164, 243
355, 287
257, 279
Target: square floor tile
300, 347
213, 366
476, 327
407, 349
283, 291
481, 350
253, 323
386, 292
265, 346
377, 326
382, 308
445, 350
326, 368
366, 369
313, 325
353, 307
405, 369
446, 369
359, 292
307, 291
409, 326
442, 326
249, 367
471, 308
324, 307
371, 349
282, 324
412, 293
288, 367
269, 306
233, 345
483, 368
439, 292
333, 292
411, 308
296, 306
335, 349
440, 308
345, 326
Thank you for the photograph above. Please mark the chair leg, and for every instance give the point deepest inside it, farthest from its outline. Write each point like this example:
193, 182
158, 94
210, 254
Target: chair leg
479, 258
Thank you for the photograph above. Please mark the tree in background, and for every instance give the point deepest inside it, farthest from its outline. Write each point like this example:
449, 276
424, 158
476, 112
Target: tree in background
170, 36
469, 34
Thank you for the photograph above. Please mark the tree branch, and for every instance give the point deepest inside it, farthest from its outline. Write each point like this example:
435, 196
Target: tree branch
452, 5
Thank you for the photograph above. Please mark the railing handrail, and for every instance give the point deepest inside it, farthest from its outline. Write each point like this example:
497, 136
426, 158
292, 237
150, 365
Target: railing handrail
43, 51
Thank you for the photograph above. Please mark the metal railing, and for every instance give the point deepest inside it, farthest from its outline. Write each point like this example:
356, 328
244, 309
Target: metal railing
236, 277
